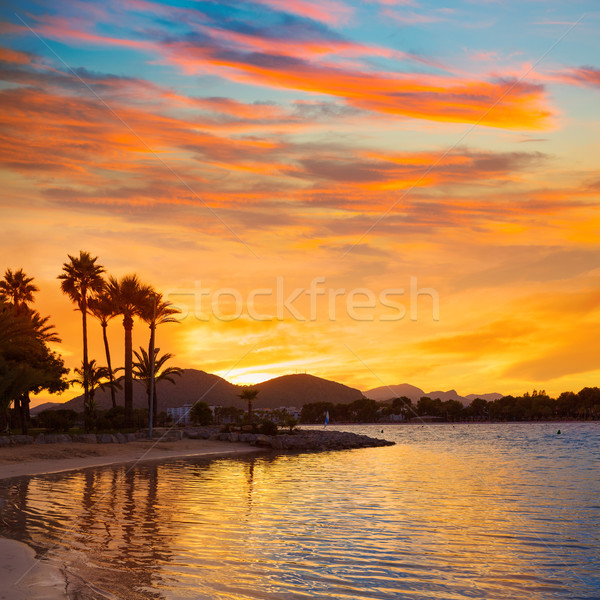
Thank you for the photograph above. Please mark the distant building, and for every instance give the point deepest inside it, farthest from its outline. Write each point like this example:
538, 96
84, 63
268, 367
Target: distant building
180, 414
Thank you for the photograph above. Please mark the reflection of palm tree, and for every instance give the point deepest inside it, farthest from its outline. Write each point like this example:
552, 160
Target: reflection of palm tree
130, 298
81, 278
101, 307
249, 394
142, 369
250, 481
18, 289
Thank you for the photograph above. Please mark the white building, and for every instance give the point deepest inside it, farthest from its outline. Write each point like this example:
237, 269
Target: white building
180, 414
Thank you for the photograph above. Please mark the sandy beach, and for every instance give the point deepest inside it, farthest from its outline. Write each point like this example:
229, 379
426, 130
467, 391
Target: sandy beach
23, 577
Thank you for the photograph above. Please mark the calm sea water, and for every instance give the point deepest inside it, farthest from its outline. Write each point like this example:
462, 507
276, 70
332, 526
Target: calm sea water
506, 511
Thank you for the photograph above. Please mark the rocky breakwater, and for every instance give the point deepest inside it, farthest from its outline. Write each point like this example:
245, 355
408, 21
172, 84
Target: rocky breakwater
299, 441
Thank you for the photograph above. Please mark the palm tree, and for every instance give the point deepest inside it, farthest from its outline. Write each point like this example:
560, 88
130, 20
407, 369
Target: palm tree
18, 289
26, 363
143, 371
157, 312
130, 298
94, 377
44, 331
249, 394
101, 307
81, 278
16, 331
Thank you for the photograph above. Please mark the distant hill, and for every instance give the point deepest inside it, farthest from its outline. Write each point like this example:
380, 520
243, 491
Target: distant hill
194, 385
414, 393
489, 397
297, 390
45, 406
386, 392
444, 396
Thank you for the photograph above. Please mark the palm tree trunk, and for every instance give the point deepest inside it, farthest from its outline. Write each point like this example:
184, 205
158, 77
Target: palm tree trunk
154, 406
152, 381
128, 325
21, 412
86, 393
108, 364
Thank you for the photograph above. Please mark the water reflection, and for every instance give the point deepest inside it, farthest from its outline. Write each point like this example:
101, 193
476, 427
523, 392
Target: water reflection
411, 521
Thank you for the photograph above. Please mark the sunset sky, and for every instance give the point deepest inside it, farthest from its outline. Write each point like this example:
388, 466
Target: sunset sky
367, 147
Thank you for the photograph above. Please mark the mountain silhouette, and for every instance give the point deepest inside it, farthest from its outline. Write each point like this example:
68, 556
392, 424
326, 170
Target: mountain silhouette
195, 385
297, 390
386, 392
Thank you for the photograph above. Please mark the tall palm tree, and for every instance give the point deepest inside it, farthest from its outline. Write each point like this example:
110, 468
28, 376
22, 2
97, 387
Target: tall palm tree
17, 289
157, 312
143, 371
101, 307
249, 394
81, 278
130, 298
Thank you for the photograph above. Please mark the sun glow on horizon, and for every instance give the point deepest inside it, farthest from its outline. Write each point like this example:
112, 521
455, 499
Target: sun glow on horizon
238, 144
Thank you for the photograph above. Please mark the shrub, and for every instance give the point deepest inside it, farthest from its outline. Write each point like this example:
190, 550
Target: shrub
201, 414
57, 420
268, 427
114, 418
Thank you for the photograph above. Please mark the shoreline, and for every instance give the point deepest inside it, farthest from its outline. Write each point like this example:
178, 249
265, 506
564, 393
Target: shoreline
30, 460
23, 575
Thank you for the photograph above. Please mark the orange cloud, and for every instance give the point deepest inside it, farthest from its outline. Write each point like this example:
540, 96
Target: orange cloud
505, 104
325, 11
283, 62
14, 56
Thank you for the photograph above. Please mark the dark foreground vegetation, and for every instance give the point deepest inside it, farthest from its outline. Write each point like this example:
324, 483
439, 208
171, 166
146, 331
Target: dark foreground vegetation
29, 364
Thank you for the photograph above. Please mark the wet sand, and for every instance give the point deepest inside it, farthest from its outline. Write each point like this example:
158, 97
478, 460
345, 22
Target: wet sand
37, 459
22, 576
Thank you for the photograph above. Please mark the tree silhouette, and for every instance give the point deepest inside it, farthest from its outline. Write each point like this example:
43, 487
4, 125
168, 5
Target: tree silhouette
130, 298
26, 364
81, 278
142, 369
156, 312
101, 307
94, 376
17, 289
249, 394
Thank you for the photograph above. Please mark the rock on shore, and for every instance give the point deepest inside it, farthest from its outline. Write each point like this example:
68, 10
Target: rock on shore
298, 441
